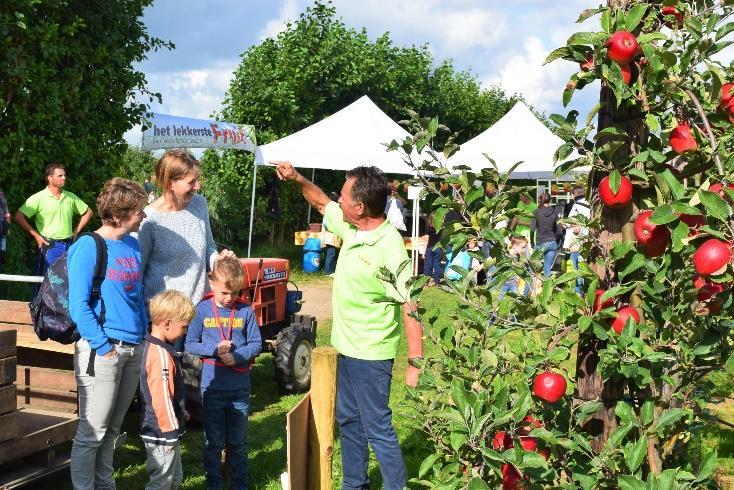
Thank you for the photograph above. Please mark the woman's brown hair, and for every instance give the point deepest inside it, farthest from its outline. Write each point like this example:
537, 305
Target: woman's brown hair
120, 198
173, 165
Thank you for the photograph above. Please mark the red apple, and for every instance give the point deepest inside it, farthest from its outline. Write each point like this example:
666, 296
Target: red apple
510, 477
588, 65
502, 440
655, 250
528, 443
682, 140
712, 257
545, 453
648, 233
670, 10
719, 187
694, 221
707, 289
619, 200
627, 73
598, 305
726, 94
528, 424
622, 47
622, 315
730, 110
549, 386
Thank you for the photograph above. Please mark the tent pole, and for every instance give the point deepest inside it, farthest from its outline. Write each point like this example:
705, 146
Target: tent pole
313, 180
252, 208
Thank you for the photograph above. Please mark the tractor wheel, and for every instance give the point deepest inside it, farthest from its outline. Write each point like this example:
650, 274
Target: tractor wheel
293, 359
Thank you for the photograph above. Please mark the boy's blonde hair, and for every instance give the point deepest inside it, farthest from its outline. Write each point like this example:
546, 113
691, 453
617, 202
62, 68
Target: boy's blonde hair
170, 305
228, 270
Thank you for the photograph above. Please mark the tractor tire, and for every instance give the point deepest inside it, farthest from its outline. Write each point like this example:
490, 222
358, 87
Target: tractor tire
292, 359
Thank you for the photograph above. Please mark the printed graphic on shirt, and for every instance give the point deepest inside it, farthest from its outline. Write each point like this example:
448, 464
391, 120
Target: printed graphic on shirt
211, 322
127, 270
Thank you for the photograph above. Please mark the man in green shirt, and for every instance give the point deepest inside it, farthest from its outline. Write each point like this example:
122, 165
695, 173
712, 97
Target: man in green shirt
366, 321
53, 210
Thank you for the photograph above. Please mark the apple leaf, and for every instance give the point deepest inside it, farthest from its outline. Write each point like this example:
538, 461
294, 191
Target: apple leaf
606, 21
663, 214
589, 13
634, 454
724, 30
561, 52
680, 233
652, 122
635, 15
640, 174
581, 38
427, 464
675, 186
628, 482
615, 181
477, 484
669, 417
730, 365
716, 207
647, 412
707, 466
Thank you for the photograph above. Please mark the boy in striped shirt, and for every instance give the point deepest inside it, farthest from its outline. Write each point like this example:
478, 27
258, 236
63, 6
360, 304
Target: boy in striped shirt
162, 389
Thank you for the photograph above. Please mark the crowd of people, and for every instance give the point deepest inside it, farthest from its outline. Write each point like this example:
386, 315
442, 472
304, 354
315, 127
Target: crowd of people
169, 296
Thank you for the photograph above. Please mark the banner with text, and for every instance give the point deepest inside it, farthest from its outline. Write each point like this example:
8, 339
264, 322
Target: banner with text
164, 131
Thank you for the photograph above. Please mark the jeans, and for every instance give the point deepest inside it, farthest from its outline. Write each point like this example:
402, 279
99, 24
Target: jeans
580, 281
164, 466
549, 250
106, 387
432, 263
329, 260
3, 248
225, 424
363, 416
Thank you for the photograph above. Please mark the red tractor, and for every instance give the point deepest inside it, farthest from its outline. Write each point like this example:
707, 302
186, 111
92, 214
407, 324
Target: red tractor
289, 336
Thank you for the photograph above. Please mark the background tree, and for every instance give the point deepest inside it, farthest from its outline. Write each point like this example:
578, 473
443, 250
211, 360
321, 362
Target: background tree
314, 68
655, 319
68, 93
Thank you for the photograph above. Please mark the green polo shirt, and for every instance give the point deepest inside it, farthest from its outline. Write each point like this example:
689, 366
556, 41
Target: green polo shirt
54, 217
367, 311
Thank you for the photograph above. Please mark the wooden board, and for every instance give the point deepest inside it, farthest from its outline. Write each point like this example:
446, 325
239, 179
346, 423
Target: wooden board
7, 370
15, 312
297, 451
27, 338
8, 340
53, 379
35, 397
40, 429
7, 399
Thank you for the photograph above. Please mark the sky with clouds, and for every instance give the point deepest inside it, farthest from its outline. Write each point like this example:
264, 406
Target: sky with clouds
501, 42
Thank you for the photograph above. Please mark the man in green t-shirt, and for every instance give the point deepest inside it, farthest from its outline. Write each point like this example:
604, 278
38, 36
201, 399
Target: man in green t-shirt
366, 320
53, 210
527, 206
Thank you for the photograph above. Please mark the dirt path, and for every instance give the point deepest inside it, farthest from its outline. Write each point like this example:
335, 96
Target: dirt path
317, 298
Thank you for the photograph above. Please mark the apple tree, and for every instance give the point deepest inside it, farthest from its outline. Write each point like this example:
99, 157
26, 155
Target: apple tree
605, 389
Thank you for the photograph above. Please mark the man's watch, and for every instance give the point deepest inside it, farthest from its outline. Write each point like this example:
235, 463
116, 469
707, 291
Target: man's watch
415, 362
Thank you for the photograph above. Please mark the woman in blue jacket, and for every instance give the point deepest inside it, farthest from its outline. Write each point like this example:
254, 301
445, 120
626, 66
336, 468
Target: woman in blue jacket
108, 355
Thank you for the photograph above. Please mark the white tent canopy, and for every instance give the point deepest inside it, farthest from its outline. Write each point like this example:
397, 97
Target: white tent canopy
518, 136
356, 135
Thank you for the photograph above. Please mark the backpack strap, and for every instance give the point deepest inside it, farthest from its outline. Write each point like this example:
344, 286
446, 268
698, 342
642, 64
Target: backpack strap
100, 271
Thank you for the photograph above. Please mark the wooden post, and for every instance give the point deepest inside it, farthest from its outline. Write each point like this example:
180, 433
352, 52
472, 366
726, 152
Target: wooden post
321, 420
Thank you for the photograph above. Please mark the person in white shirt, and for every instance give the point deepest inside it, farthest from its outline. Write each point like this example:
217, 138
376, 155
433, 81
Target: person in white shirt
574, 233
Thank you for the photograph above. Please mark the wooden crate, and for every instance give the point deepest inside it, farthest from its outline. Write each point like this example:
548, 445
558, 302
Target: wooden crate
36, 430
8, 402
47, 388
8, 343
7, 370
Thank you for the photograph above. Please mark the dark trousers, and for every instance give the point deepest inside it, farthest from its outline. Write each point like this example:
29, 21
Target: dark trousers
47, 255
432, 263
329, 260
363, 415
225, 424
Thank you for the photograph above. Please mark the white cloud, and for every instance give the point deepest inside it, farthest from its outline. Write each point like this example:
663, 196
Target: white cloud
525, 74
288, 13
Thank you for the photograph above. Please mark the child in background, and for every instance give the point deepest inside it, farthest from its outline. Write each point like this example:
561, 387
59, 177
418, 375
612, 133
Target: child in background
162, 414
518, 246
226, 336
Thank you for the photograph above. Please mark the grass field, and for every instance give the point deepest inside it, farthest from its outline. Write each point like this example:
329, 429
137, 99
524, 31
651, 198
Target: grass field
267, 432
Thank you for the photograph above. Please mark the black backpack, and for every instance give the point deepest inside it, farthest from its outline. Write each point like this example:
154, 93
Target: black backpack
50, 307
557, 227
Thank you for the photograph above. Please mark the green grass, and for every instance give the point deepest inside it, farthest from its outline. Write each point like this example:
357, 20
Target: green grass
267, 434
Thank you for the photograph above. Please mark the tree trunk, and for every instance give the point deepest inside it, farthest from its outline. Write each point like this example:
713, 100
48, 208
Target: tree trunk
616, 225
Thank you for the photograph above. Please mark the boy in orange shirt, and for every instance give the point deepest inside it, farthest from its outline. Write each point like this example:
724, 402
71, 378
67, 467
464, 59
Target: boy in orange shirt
162, 389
